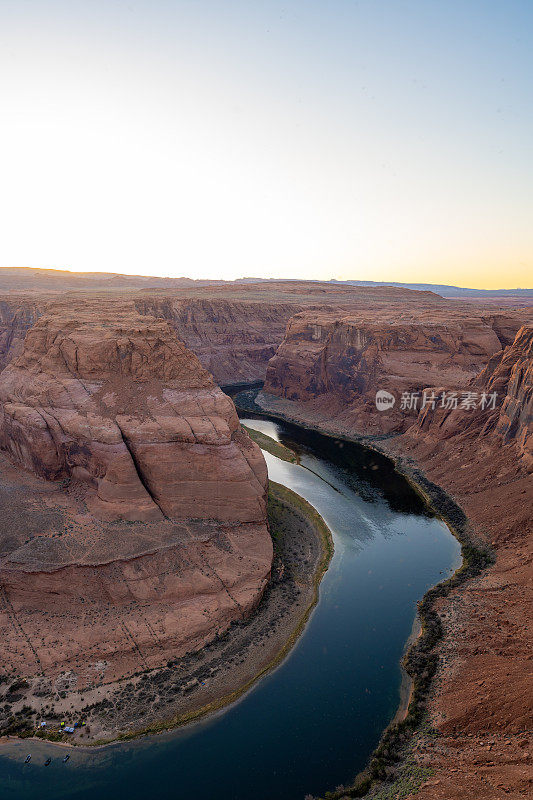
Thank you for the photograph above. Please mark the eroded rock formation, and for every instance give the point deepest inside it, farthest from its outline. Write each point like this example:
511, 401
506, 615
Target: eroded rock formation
335, 362
158, 534
233, 339
506, 383
235, 329
17, 315
483, 458
511, 376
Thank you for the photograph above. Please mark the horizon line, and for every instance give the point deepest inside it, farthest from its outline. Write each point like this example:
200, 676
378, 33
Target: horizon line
342, 281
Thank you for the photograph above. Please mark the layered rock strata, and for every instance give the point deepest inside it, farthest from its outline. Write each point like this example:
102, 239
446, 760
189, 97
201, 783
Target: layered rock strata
335, 362
235, 329
142, 527
17, 315
233, 339
482, 456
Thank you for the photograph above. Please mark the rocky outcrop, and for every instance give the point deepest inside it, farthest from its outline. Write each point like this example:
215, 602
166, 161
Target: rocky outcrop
158, 538
17, 315
511, 375
117, 401
233, 339
338, 361
505, 414
482, 457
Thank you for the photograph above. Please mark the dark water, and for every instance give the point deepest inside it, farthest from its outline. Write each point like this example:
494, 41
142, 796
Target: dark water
312, 723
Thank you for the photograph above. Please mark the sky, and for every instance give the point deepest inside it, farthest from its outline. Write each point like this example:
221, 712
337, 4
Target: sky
387, 140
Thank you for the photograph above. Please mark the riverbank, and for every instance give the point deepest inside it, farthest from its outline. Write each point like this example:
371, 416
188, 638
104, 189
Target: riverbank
255, 401
205, 681
271, 446
406, 686
393, 767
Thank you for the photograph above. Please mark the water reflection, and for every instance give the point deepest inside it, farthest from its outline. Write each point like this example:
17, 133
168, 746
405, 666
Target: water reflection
367, 473
312, 723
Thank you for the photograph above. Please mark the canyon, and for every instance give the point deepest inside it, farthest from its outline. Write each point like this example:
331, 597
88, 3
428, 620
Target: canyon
325, 375
236, 328
135, 519
335, 362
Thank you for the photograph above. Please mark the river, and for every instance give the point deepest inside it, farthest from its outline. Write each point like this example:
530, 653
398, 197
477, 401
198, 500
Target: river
312, 723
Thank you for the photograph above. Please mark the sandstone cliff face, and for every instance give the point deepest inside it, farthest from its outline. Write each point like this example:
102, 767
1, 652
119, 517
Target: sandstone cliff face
483, 458
508, 378
340, 360
159, 538
512, 376
119, 403
17, 315
233, 339
235, 329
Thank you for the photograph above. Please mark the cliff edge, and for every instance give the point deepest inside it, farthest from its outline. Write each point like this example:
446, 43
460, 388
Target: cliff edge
136, 528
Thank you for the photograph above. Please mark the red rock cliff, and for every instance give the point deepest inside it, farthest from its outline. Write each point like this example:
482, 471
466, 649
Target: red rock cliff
482, 457
512, 376
158, 535
233, 339
507, 419
17, 315
334, 362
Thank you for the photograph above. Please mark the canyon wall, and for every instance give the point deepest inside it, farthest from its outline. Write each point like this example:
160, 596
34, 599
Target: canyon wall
17, 315
325, 374
506, 383
235, 329
134, 525
511, 376
233, 339
334, 363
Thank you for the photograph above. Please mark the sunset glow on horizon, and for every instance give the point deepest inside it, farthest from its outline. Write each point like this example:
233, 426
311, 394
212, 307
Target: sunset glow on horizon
386, 141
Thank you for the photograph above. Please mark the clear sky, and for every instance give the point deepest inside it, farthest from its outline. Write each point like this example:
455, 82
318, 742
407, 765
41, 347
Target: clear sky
366, 139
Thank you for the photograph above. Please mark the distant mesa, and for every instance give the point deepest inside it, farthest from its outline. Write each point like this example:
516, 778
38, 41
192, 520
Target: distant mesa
28, 279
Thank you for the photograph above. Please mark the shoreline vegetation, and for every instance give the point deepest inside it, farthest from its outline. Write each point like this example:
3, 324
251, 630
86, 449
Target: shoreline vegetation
391, 772
279, 498
266, 637
271, 446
